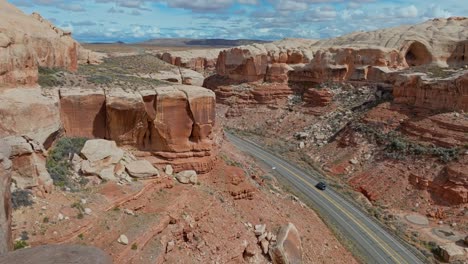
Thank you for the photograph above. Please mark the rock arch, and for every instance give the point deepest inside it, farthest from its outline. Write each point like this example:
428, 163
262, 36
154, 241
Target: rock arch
417, 54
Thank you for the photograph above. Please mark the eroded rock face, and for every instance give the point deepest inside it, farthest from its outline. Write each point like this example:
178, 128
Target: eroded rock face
27, 112
27, 42
57, 254
442, 94
6, 242
172, 122
28, 165
83, 112
198, 60
288, 249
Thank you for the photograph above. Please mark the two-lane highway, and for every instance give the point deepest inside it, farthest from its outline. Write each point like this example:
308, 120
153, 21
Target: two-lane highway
373, 242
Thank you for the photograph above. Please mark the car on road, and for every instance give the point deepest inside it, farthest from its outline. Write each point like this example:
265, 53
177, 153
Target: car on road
321, 186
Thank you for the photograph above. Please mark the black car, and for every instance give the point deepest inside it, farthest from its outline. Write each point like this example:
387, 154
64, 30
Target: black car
321, 186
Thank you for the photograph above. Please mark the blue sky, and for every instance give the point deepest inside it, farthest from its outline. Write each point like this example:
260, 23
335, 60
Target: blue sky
137, 20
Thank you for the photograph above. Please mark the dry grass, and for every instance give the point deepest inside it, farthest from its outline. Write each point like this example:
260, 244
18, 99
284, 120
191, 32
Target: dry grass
129, 72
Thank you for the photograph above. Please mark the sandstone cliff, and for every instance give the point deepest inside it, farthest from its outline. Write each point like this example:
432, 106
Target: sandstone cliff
27, 112
27, 42
198, 60
172, 122
438, 94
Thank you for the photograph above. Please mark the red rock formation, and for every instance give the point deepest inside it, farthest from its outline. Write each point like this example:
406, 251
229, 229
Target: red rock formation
445, 130
445, 94
27, 42
83, 112
6, 243
341, 64
278, 73
173, 123
451, 186
197, 60
315, 97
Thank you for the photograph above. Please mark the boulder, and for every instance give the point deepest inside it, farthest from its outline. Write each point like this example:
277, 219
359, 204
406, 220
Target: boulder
100, 149
6, 242
186, 177
169, 170
141, 169
51, 254
288, 248
451, 253
123, 239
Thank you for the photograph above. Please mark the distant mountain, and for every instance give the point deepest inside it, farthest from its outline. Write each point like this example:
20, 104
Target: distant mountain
185, 42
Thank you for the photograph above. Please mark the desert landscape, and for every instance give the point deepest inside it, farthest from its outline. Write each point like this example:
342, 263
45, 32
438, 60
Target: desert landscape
190, 150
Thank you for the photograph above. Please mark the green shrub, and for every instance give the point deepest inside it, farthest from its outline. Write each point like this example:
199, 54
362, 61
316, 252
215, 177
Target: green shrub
20, 198
58, 162
20, 244
134, 246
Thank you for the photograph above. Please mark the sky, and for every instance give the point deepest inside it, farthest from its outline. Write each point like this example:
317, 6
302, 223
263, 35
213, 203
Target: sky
139, 20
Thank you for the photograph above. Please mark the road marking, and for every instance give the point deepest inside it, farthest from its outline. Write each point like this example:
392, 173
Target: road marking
364, 228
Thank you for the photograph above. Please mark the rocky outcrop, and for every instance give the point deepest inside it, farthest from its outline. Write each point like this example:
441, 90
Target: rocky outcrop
27, 112
6, 242
179, 76
203, 60
57, 254
174, 123
83, 112
450, 186
288, 249
28, 165
359, 57
27, 42
434, 41
437, 94
318, 98
445, 130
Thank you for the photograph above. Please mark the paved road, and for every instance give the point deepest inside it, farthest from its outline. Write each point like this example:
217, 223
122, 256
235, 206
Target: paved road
372, 242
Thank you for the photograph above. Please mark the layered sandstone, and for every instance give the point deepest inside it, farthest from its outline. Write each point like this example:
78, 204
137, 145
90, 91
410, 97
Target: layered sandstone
27, 112
27, 42
172, 122
451, 186
315, 97
445, 130
437, 41
198, 60
376, 57
438, 94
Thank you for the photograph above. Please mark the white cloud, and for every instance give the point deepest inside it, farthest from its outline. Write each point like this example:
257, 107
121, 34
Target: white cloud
409, 11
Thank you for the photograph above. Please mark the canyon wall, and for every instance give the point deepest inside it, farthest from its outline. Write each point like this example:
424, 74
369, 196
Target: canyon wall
173, 123
29, 42
443, 94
